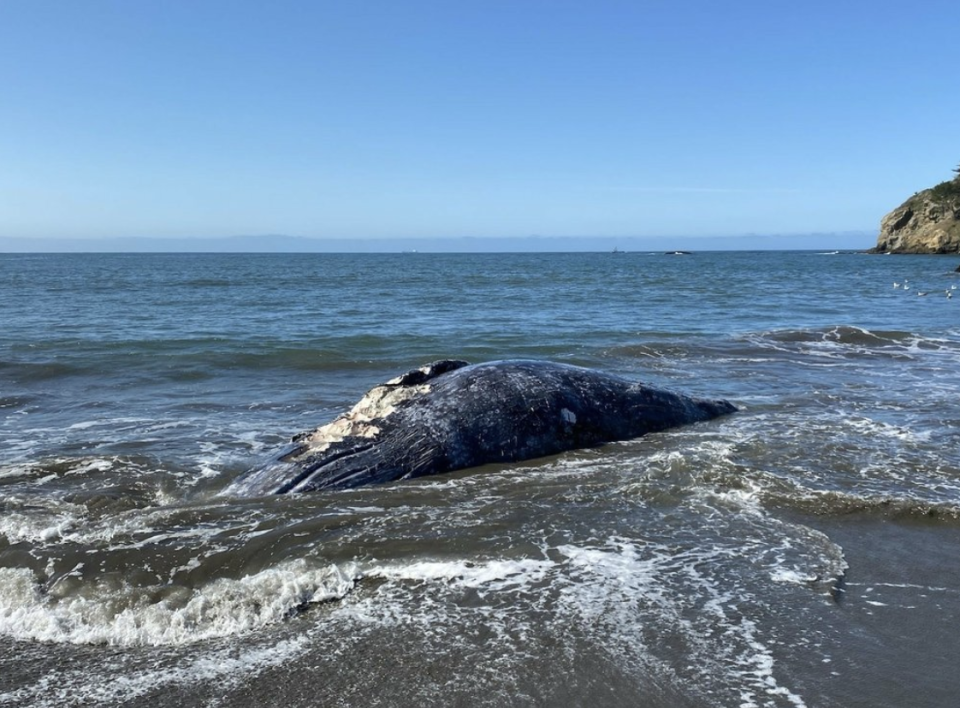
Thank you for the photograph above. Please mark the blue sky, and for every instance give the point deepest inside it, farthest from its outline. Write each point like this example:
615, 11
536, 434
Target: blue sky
470, 118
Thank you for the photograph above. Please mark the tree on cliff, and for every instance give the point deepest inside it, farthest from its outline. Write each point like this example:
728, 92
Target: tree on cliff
948, 191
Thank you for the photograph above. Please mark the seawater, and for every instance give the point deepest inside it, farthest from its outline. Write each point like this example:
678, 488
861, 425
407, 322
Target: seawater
802, 552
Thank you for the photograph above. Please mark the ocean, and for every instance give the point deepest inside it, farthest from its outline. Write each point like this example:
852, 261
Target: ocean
804, 551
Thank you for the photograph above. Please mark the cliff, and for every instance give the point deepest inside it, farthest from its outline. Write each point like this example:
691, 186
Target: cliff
928, 222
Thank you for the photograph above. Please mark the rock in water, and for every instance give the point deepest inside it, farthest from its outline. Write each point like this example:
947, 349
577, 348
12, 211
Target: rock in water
450, 415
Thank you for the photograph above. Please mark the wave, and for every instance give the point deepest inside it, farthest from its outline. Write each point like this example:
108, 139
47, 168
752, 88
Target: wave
841, 334
839, 342
35, 372
198, 360
625, 599
115, 612
835, 462
848, 342
204, 358
838, 503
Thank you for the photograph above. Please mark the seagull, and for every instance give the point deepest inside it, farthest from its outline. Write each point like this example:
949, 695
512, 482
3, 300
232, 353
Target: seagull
896, 285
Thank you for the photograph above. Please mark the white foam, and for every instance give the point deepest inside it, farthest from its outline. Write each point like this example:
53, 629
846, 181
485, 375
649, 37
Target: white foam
905, 586
791, 576
229, 667
644, 573
492, 574
97, 465
38, 527
70, 467
84, 425
745, 499
869, 427
623, 589
120, 614
15, 470
61, 522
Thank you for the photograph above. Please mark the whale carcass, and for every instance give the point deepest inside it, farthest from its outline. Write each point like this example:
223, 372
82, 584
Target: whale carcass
451, 415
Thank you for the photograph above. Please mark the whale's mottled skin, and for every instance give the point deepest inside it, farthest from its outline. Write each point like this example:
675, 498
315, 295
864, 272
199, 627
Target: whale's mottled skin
451, 415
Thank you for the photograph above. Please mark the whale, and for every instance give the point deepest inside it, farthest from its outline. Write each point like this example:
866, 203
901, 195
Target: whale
451, 415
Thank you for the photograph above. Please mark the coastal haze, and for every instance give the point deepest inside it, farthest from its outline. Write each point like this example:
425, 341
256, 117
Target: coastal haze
529, 244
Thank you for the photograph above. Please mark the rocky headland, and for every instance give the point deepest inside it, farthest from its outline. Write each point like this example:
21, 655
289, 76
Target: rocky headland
928, 222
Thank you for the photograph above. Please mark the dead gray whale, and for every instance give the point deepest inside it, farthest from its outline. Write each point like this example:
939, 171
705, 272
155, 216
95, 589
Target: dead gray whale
451, 415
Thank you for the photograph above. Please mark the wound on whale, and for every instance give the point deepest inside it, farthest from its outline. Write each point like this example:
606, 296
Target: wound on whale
451, 415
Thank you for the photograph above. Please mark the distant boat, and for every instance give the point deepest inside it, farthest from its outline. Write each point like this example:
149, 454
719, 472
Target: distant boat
677, 253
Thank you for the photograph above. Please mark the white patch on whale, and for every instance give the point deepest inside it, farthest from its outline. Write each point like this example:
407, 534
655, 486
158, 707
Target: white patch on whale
379, 403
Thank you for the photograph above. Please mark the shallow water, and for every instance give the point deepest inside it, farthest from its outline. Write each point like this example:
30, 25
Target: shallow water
802, 552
